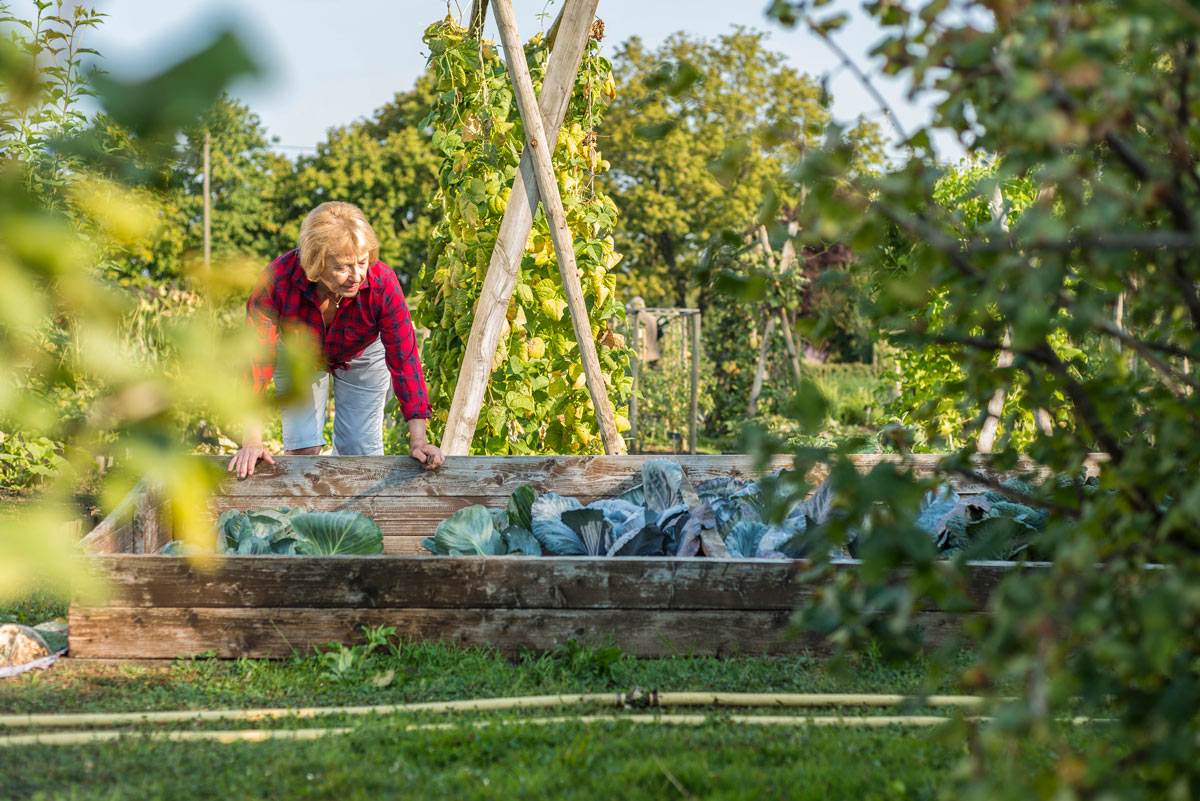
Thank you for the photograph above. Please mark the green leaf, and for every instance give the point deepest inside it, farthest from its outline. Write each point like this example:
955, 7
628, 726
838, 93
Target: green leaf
336, 533
521, 541
520, 506
469, 531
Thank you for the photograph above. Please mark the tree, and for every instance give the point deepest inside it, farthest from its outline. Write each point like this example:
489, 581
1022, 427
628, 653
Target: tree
245, 180
1094, 103
385, 165
245, 176
699, 136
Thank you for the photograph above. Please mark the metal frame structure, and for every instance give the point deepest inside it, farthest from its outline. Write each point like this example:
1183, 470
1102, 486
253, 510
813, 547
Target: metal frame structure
633, 330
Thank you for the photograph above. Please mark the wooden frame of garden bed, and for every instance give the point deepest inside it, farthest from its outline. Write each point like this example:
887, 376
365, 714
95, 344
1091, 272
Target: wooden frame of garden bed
272, 606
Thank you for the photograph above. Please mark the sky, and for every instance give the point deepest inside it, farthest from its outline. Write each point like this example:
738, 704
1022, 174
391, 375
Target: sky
330, 63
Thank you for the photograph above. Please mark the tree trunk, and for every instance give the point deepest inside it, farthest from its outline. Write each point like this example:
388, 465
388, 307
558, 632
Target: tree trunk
760, 369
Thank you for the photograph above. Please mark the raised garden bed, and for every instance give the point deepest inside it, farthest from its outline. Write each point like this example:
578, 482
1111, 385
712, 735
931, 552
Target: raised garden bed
267, 606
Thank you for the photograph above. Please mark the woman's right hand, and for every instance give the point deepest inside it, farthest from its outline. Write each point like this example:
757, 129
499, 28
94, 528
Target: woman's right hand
243, 462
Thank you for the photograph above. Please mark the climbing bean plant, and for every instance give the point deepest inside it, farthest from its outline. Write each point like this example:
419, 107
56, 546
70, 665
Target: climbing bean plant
536, 401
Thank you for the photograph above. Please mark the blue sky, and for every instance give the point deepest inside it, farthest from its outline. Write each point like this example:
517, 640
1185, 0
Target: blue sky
330, 63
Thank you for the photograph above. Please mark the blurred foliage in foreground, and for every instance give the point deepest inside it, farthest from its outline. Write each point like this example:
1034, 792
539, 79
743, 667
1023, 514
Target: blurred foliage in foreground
80, 369
1086, 305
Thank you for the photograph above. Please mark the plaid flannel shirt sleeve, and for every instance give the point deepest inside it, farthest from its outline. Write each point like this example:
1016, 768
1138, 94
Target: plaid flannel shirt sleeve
263, 317
400, 349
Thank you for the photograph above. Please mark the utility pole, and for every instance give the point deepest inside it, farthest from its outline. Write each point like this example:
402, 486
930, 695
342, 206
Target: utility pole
207, 210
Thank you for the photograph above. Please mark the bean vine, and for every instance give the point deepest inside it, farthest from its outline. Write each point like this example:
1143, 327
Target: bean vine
536, 401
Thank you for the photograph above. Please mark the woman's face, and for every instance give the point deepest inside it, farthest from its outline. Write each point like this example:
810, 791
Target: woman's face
344, 274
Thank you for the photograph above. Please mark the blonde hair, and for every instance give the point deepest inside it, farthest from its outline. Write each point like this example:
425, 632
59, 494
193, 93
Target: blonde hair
336, 229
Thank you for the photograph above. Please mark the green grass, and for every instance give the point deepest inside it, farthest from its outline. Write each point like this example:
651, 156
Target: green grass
718, 759
604, 760
428, 672
42, 605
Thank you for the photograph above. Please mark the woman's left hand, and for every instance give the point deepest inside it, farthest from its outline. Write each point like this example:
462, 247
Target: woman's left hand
427, 454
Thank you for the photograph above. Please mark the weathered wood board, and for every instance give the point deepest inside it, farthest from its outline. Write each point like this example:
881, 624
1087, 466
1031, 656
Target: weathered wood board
167, 632
164, 607
471, 582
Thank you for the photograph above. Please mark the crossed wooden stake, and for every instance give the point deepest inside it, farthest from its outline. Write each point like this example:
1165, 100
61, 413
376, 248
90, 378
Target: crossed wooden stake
535, 179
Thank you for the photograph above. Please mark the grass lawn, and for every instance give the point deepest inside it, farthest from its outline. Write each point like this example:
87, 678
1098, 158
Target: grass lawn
718, 759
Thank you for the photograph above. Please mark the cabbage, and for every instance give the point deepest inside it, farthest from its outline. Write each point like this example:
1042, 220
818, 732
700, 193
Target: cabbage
469, 531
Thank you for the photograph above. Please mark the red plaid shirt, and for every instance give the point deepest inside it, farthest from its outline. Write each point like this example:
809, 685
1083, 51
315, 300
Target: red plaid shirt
284, 297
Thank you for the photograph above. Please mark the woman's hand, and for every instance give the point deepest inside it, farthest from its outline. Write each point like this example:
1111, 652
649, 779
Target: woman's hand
427, 454
420, 448
244, 460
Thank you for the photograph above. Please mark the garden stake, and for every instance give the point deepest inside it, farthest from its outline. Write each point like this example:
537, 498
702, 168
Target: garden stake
541, 146
634, 699
260, 735
505, 265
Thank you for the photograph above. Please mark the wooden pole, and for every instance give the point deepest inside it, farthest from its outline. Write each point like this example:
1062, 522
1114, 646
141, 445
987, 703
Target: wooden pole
995, 407
695, 406
564, 246
760, 369
636, 338
207, 204
478, 17
552, 34
789, 341
505, 265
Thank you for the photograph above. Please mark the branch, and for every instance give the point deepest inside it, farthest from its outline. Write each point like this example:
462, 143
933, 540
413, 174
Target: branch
1170, 375
1160, 240
849, 64
1157, 347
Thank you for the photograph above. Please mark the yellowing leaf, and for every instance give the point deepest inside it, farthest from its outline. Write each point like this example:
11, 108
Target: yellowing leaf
535, 348
472, 127
554, 308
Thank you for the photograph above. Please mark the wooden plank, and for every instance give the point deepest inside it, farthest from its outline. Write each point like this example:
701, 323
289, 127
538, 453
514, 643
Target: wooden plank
497, 476
404, 546
458, 583
505, 264
411, 518
401, 476
117, 632
542, 146
115, 534
150, 526
476, 582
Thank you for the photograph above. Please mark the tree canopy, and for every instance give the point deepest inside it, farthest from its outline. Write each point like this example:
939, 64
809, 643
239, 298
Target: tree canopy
700, 133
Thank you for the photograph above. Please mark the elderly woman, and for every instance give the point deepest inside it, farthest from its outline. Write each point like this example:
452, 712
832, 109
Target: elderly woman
333, 296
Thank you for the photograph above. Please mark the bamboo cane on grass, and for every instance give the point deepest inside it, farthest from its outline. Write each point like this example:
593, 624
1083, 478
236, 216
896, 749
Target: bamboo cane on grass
261, 735
652, 699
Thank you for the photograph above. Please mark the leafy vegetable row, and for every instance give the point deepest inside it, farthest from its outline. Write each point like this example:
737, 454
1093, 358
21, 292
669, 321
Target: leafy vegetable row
664, 516
280, 530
